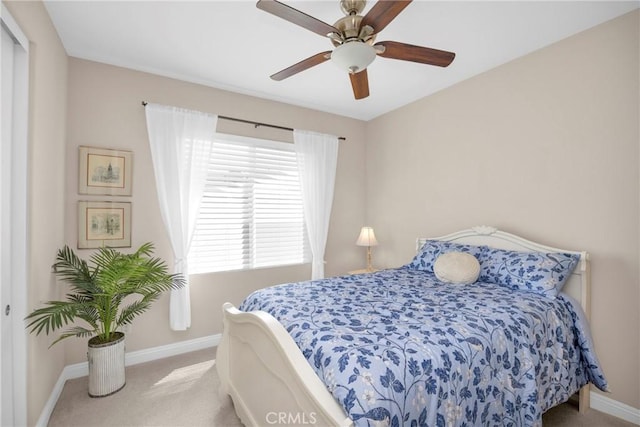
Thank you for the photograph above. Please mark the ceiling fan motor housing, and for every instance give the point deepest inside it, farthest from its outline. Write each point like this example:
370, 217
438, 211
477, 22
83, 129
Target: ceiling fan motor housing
350, 25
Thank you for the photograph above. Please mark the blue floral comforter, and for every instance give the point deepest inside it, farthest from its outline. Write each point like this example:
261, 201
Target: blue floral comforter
397, 347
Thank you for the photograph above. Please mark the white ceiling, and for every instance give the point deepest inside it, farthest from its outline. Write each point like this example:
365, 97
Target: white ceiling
233, 45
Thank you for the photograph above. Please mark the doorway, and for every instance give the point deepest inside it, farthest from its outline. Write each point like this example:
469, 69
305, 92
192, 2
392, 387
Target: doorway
14, 86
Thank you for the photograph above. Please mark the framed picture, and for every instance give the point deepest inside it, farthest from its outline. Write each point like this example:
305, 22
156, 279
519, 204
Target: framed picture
104, 171
104, 224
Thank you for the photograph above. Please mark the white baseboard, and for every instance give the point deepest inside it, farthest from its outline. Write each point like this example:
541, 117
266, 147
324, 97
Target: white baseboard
613, 407
133, 358
51, 402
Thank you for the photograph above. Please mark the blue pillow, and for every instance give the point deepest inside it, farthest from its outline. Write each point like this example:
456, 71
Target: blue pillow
543, 273
432, 249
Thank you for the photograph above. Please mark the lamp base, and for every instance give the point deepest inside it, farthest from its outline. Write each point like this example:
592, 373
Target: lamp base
369, 266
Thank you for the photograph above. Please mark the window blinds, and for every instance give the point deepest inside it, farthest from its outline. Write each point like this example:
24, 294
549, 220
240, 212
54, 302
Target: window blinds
251, 214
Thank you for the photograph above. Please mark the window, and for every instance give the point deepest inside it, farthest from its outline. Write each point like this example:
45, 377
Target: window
251, 214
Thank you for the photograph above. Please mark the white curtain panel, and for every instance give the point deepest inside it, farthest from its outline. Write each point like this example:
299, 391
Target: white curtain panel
181, 142
317, 156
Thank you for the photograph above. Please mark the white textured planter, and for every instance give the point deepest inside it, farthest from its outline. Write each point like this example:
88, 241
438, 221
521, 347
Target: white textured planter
106, 367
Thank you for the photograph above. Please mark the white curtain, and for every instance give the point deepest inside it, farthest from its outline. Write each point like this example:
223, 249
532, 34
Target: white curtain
317, 156
181, 142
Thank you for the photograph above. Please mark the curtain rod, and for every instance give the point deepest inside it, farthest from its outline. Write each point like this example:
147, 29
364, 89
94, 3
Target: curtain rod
256, 124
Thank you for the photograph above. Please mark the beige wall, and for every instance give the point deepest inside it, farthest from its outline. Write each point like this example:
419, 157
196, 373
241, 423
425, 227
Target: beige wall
105, 110
546, 147
47, 118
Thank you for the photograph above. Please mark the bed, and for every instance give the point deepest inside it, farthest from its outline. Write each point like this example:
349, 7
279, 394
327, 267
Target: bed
406, 346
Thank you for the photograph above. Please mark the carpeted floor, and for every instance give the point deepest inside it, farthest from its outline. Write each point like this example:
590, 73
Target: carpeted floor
183, 391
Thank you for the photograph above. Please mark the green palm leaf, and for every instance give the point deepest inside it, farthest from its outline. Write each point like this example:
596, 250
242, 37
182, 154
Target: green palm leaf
76, 331
99, 288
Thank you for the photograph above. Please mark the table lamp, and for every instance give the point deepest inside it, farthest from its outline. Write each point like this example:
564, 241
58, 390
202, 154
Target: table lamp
367, 238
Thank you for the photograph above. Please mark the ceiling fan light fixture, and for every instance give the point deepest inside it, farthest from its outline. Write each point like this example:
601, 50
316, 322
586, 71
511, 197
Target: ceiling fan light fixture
353, 56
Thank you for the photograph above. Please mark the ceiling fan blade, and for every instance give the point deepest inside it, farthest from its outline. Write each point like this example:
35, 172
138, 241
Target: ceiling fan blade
409, 52
305, 64
297, 17
382, 13
360, 84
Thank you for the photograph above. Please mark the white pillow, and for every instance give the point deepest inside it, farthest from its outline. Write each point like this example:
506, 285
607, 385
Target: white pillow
457, 267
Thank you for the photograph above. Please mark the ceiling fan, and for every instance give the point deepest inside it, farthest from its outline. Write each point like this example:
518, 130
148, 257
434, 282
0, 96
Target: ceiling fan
353, 37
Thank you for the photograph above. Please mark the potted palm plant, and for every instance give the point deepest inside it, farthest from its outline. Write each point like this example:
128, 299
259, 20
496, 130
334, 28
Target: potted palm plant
97, 297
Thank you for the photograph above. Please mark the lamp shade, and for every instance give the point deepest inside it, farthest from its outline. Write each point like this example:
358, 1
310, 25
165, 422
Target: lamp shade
367, 237
353, 56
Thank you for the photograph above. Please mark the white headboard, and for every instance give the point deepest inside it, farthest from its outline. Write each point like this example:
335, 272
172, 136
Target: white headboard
577, 286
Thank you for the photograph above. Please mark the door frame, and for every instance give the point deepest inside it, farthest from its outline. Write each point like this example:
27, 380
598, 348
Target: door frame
18, 212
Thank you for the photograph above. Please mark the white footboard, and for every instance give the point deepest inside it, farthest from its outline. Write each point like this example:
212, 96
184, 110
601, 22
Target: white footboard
268, 378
